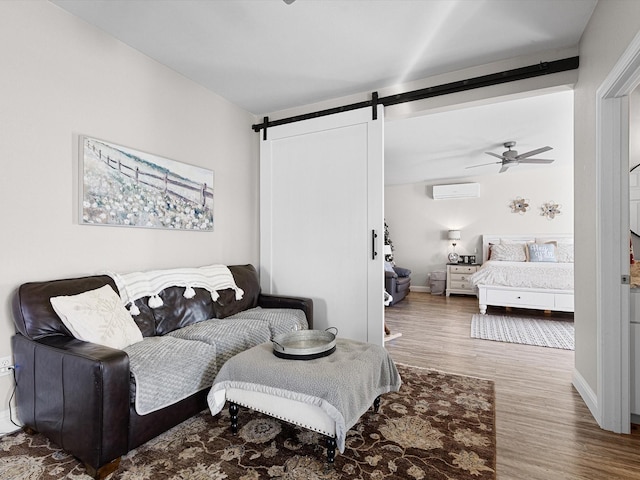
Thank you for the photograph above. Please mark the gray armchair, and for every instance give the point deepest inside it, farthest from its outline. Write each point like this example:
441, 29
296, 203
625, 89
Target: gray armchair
397, 282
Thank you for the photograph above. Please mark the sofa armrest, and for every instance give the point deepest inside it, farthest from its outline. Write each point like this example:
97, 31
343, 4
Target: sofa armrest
75, 392
279, 301
390, 283
388, 274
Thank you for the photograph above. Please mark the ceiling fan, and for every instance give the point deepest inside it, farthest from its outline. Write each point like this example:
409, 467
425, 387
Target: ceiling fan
511, 158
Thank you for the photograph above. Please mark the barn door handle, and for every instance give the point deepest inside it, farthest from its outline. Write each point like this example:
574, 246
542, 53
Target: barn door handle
374, 235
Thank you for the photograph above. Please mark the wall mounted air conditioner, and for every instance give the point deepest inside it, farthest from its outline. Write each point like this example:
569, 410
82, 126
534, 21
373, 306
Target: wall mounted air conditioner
458, 190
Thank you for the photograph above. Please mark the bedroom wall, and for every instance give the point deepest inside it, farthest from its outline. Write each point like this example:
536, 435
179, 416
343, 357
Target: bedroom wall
62, 77
613, 25
418, 224
634, 145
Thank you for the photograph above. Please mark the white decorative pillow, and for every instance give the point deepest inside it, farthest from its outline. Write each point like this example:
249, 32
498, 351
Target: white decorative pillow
522, 243
98, 316
508, 252
564, 253
542, 252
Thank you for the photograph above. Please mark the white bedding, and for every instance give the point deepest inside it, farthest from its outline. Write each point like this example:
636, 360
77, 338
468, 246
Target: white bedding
558, 276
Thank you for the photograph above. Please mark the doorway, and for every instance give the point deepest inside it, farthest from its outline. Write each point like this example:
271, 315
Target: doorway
612, 405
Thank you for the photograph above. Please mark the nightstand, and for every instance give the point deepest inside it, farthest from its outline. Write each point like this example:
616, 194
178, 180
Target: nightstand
458, 278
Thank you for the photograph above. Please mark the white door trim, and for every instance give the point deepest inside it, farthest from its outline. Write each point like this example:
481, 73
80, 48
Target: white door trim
612, 227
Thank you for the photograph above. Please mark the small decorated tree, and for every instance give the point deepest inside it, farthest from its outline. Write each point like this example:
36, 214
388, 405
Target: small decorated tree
387, 241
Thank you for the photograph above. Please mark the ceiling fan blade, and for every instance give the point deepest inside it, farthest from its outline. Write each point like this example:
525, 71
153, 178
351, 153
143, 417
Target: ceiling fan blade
536, 160
534, 152
483, 164
496, 155
504, 168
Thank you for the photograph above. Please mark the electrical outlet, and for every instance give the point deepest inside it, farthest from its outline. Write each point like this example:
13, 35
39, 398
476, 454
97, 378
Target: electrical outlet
5, 363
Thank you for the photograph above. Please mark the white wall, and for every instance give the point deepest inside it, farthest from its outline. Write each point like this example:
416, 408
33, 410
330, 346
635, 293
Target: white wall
418, 224
613, 25
62, 77
478, 96
634, 128
634, 146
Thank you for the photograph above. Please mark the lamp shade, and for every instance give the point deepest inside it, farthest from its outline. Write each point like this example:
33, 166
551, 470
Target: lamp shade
454, 234
387, 250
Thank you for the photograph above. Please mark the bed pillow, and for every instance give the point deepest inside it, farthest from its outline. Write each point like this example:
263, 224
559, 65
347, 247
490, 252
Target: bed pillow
564, 253
522, 243
542, 240
542, 252
508, 252
98, 316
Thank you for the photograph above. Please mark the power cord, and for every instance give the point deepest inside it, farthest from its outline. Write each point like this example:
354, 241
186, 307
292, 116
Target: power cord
15, 386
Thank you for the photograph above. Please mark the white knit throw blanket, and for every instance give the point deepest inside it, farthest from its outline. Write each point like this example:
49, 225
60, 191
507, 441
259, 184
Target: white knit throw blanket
135, 285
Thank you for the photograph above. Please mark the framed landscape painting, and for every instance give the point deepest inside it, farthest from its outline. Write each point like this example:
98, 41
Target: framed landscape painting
120, 186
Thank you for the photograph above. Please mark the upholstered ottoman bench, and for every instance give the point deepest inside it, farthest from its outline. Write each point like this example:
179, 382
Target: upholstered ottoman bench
327, 395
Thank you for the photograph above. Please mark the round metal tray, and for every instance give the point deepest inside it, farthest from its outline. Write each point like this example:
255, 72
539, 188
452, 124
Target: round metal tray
305, 344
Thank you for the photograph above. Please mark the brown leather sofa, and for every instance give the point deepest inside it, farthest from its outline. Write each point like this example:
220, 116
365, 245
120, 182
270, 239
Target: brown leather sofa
397, 283
78, 394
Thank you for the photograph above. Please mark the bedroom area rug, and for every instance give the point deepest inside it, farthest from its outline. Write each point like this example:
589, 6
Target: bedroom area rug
542, 332
438, 426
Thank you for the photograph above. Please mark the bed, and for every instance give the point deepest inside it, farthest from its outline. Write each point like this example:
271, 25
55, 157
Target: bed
516, 274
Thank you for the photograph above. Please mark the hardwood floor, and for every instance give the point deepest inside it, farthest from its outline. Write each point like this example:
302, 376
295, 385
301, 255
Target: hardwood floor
544, 429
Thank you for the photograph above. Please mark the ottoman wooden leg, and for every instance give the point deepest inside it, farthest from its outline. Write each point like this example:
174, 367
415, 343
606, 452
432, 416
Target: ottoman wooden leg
331, 450
233, 412
376, 404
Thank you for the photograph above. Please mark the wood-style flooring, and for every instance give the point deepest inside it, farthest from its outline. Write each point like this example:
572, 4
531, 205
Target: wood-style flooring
544, 429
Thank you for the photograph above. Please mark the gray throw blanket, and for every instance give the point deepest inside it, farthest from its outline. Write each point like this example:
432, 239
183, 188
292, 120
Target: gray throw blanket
343, 384
168, 369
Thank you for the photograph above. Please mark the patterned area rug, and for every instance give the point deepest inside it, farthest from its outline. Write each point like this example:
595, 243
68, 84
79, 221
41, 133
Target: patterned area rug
438, 426
530, 331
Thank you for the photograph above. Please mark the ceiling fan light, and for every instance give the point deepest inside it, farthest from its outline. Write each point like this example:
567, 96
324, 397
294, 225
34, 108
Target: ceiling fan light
511, 158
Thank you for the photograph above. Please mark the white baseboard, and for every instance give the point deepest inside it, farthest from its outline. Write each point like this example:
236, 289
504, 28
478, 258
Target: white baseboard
588, 395
418, 288
6, 426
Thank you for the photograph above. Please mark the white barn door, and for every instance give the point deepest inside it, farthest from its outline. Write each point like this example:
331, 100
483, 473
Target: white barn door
321, 203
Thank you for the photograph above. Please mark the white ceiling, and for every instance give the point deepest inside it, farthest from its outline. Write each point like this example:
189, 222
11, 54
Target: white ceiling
442, 146
266, 56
